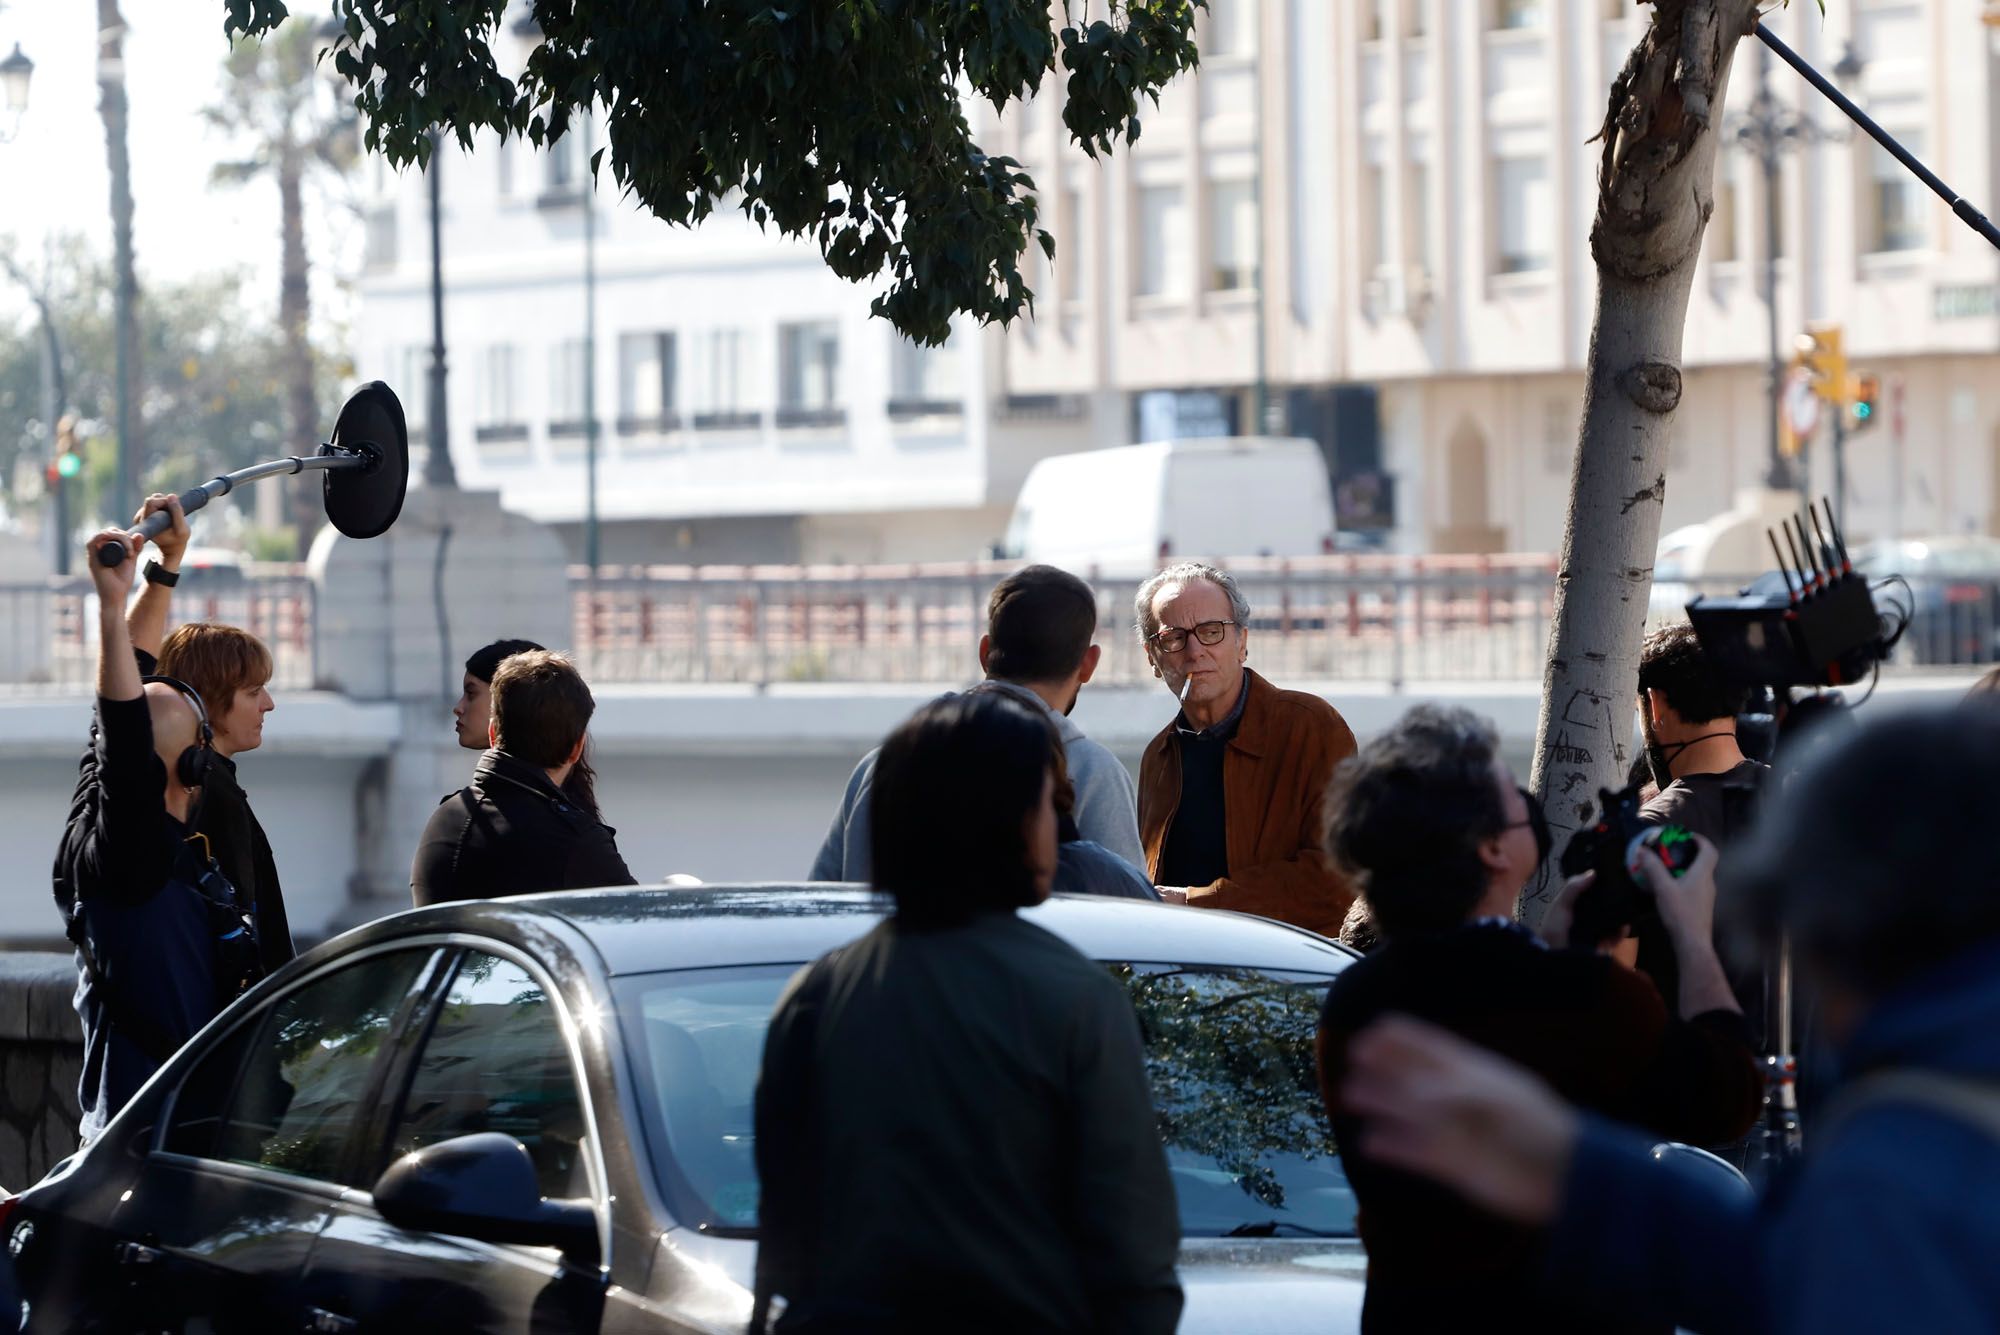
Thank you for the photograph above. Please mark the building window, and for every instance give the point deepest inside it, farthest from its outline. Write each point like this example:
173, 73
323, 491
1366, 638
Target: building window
1512, 14
1896, 197
924, 382
1375, 213
1417, 216
809, 374
722, 382
645, 383
1416, 9
1375, 25
1232, 28
569, 381
411, 365
1524, 215
1232, 235
499, 418
562, 170
1070, 247
1722, 222
1162, 250
379, 241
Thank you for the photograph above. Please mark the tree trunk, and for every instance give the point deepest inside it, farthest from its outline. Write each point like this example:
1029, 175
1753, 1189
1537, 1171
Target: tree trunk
1655, 192
294, 314
125, 290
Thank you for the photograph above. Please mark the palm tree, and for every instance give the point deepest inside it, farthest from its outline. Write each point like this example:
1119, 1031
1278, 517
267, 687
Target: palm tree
114, 110
274, 104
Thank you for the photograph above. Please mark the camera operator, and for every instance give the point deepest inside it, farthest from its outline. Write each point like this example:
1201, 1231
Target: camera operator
1877, 864
1442, 840
162, 942
1688, 714
1707, 785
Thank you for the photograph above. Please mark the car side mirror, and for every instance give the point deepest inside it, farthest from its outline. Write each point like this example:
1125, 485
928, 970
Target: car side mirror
483, 1187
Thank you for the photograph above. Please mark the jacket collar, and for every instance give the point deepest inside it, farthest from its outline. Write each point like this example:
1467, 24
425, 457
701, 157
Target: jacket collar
497, 767
1253, 722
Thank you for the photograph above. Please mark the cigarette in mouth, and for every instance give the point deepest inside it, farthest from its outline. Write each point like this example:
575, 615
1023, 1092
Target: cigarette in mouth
1186, 686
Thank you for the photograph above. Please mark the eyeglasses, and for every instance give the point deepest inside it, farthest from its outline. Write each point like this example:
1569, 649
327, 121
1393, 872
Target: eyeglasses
1172, 639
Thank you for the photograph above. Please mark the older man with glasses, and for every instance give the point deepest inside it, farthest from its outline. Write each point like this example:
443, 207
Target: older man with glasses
1230, 792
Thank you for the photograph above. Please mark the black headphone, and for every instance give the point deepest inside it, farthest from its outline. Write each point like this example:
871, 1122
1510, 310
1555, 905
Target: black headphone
192, 766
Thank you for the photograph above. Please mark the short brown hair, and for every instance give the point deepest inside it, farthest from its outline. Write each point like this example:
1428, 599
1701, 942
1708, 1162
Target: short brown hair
217, 660
541, 708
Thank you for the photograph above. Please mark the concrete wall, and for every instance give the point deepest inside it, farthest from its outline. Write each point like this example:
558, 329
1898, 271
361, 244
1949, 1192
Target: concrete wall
303, 783
41, 1056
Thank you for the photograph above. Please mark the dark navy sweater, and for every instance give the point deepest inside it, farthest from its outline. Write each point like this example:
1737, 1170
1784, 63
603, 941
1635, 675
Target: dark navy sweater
122, 882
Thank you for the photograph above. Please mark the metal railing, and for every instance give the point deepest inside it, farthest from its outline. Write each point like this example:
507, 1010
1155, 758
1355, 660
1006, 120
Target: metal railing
1390, 619
48, 629
1382, 619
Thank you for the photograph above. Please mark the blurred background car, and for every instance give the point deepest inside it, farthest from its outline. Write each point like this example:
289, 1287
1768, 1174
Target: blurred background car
1955, 595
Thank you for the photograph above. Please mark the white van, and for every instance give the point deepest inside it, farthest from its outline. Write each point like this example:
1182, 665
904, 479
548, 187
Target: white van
1125, 510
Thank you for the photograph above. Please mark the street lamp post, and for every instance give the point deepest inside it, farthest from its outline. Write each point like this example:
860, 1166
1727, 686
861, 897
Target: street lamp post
438, 470
1770, 130
590, 548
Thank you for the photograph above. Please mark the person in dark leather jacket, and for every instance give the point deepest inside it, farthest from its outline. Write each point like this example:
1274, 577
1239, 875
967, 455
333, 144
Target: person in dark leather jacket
513, 830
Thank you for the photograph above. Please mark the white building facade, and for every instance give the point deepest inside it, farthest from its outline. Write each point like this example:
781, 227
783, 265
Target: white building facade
1377, 210
1413, 181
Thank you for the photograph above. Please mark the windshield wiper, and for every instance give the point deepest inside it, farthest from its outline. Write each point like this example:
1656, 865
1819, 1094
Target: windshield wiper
1268, 1228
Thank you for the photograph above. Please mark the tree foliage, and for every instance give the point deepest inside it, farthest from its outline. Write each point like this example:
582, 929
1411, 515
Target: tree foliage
838, 120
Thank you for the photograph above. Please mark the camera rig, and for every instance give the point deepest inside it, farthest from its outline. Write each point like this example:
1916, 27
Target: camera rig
1822, 629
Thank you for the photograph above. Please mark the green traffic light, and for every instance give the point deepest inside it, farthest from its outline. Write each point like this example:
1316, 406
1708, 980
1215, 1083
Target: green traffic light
68, 464
1864, 410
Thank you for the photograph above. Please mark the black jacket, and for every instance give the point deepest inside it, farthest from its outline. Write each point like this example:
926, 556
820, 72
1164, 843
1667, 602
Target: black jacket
512, 832
124, 884
1595, 1030
240, 846
954, 1132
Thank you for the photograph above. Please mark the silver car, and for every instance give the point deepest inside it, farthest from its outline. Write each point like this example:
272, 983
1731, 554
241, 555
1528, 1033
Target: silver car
579, 1070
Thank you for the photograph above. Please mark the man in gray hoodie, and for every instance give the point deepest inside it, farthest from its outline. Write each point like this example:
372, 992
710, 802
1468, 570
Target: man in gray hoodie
1037, 648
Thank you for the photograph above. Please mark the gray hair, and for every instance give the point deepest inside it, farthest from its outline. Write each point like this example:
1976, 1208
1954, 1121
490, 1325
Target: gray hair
1186, 572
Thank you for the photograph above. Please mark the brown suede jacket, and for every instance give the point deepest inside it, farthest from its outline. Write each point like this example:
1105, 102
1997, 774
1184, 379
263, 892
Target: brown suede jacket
1274, 775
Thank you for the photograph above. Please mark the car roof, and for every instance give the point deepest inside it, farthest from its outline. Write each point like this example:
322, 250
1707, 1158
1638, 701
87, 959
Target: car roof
646, 930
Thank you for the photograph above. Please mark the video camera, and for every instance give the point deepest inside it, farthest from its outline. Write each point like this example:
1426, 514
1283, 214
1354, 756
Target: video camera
1822, 630
1613, 848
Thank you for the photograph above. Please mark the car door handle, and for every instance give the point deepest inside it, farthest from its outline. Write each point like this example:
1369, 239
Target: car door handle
322, 1322
137, 1254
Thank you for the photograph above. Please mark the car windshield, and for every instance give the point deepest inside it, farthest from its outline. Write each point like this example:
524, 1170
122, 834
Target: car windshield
1229, 1053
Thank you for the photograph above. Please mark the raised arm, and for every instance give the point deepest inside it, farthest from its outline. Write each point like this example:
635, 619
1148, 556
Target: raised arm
117, 670
148, 621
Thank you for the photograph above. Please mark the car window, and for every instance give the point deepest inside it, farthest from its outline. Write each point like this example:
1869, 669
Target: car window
1229, 1053
287, 1090
495, 1060
1230, 1056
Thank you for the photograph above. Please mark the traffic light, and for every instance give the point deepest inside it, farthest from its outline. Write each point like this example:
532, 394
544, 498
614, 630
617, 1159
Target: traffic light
68, 464
1865, 400
1822, 351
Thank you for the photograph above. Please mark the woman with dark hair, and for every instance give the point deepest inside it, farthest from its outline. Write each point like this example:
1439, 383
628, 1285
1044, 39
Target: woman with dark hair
472, 716
1428, 819
954, 1130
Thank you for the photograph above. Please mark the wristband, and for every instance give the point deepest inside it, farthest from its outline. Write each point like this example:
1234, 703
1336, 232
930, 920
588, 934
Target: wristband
160, 575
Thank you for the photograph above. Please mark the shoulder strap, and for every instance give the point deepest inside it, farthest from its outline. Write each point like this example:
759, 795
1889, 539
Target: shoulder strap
1975, 1103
